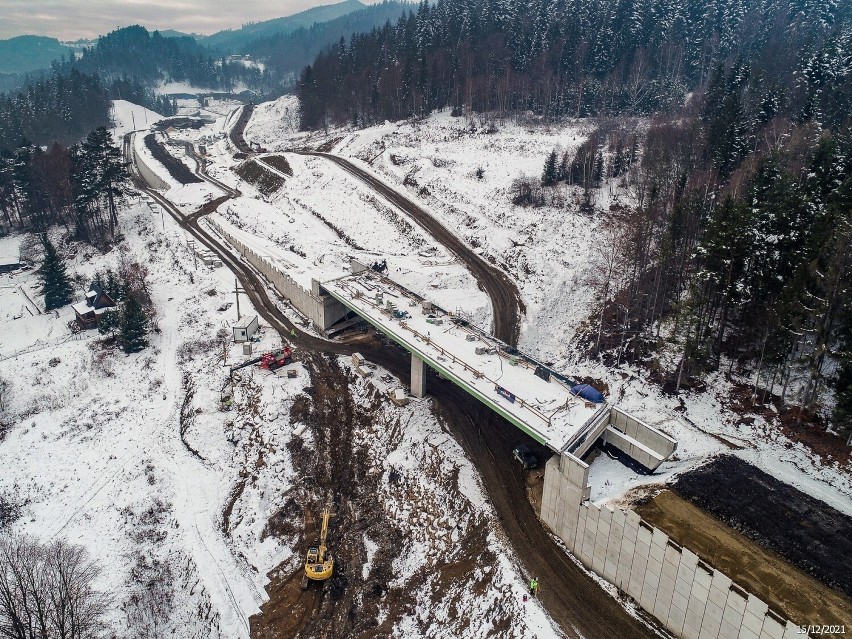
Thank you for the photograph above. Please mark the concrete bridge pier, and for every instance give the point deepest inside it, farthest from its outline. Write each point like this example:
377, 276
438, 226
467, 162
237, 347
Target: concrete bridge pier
418, 382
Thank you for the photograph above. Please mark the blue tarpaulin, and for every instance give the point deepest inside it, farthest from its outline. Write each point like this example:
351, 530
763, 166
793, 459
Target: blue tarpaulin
589, 393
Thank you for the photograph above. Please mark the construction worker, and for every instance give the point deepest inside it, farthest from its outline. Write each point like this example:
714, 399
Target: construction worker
292, 332
534, 587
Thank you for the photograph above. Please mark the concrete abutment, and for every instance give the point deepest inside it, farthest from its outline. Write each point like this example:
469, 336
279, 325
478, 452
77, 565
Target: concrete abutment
687, 596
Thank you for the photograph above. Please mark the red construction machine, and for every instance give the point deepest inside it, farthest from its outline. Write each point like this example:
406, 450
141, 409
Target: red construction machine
272, 360
276, 360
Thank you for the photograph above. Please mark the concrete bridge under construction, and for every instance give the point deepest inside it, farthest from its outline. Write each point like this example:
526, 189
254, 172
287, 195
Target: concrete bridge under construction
541, 402
549, 407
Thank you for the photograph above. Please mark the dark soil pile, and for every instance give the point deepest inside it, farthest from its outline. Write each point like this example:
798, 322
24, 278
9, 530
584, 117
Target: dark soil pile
806, 531
177, 169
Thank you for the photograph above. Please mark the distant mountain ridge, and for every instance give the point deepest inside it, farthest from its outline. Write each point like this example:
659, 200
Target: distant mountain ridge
234, 39
29, 53
287, 54
171, 33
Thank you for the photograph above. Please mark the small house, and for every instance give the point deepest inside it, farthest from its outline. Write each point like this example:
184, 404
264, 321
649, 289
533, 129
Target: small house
243, 332
97, 303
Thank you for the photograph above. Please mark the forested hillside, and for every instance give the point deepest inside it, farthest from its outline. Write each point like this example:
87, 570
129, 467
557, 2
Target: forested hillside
149, 57
575, 58
727, 122
61, 108
29, 53
236, 40
77, 187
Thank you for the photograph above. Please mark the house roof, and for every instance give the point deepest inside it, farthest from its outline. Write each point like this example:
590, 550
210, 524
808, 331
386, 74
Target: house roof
98, 297
93, 295
82, 308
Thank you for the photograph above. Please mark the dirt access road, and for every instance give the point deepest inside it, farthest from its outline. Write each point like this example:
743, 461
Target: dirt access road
505, 298
573, 599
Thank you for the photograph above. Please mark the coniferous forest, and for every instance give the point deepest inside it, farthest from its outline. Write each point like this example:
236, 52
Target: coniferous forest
77, 187
572, 58
729, 122
61, 108
148, 56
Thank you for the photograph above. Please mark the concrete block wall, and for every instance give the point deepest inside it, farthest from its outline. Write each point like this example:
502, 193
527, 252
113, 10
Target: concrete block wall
595, 427
322, 310
146, 172
688, 597
648, 458
634, 437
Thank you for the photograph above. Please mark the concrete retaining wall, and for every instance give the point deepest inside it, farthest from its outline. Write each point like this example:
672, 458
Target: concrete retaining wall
642, 433
146, 172
322, 310
588, 435
687, 596
621, 430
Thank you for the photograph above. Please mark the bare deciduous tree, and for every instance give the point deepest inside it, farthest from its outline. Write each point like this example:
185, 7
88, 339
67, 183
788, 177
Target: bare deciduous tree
47, 590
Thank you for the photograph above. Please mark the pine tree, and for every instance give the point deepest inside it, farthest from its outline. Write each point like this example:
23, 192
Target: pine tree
109, 322
550, 174
55, 285
113, 288
842, 415
598, 171
101, 172
134, 324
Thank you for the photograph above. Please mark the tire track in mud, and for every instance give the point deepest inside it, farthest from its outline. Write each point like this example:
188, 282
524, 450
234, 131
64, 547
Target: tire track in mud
573, 599
237, 131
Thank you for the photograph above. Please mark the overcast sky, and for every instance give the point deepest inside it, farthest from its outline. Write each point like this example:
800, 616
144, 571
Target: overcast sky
74, 19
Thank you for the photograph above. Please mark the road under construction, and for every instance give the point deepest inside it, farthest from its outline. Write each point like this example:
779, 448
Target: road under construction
571, 596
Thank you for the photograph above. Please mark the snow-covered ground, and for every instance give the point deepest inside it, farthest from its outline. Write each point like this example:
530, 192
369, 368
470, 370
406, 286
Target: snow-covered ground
552, 253
548, 250
127, 117
95, 451
134, 458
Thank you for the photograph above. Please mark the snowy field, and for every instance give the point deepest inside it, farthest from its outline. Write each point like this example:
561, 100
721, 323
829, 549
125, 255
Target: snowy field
126, 117
135, 458
112, 472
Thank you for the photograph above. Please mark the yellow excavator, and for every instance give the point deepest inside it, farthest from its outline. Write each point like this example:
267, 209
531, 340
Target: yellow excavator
319, 564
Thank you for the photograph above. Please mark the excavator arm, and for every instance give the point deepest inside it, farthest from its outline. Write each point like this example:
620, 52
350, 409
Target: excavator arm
325, 516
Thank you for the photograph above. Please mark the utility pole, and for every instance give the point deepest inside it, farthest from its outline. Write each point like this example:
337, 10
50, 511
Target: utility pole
133, 115
191, 244
237, 291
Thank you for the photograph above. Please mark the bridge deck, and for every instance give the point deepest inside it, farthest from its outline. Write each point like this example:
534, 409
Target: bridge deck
505, 381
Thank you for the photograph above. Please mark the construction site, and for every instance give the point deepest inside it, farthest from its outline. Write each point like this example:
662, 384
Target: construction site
357, 420
563, 419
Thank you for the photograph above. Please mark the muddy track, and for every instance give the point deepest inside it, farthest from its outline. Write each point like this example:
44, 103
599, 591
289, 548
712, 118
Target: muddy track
576, 603
236, 134
504, 295
573, 599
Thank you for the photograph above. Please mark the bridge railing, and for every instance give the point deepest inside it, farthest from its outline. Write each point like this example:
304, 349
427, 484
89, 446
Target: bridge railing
356, 294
